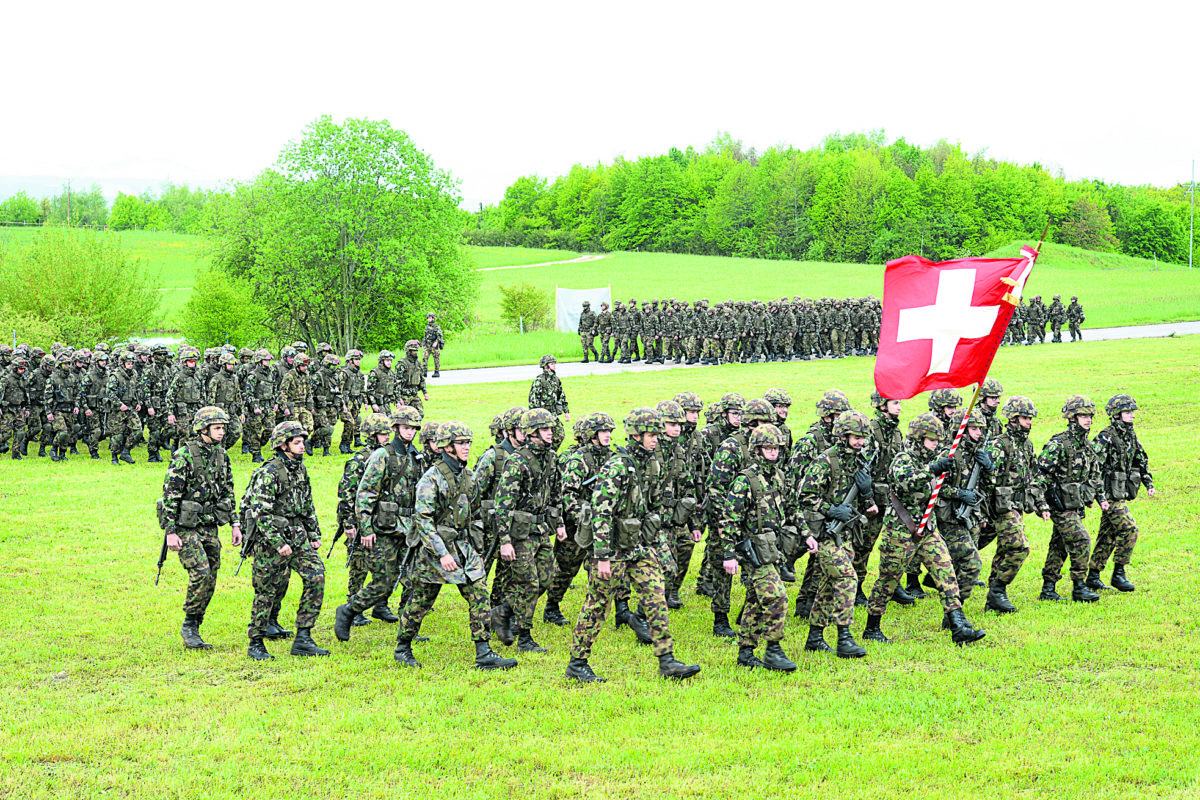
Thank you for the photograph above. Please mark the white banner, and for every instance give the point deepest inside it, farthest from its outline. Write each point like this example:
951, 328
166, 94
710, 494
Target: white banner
569, 302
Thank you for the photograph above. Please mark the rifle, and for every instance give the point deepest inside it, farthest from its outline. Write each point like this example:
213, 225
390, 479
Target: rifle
337, 535
834, 527
961, 510
162, 558
406, 561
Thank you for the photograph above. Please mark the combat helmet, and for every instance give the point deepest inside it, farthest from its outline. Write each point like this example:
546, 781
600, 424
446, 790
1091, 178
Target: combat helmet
690, 401
262, 354
331, 360
580, 429
991, 388
602, 421
452, 431
1119, 403
284, 432
1019, 406
832, 402
496, 427
944, 398
757, 411
767, 435
975, 419
670, 411
1076, 405
406, 415
926, 426
851, 423
209, 415
535, 419
227, 358
428, 433
511, 419
880, 402
546, 360
386, 354
289, 352
375, 424
412, 345
777, 397
642, 419
732, 401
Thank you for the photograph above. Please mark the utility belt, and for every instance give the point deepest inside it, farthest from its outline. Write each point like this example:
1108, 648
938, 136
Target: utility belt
190, 513
523, 522
387, 516
1006, 499
1122, 485
1071, 496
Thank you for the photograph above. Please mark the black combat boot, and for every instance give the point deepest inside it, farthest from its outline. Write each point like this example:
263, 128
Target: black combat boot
721, 626
585, 358
927, 581
324, 451
305, 646
41, 449
95, 453
342, 618
961, 631
873, 633
384, 614
358, 440
673, 601
640, 627
746, 658
914, 587
308, 448
25, 447
154, 457
526, 644
846, 646
621, 613
501, 623
553, 614
486, 658
997, 600
1119, 581
276, 631
1048, 592
816, 640
16, 454
256, 458
437, 373
578, 669
115, 463
1080, 593
74, 449
128, 459
258, 650
785, 573
670, 667
54, 456
804, 604
1093, 580
404, 654
860, 599
775, 659
191, 635
344, 448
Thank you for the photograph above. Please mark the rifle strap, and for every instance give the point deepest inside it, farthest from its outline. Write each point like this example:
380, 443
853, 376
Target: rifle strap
902, 512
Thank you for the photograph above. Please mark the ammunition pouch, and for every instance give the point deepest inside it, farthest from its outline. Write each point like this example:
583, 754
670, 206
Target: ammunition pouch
583, 526
189, 514
449, 534
815, 523
522, 525
1004, 500
477, 536
223, 511
881, 494
765, 546
1070, 496
944, 509
1115, 484
746, 553
684, 509
386, 517
1133, 484
628, 533
789, 541
1087, 493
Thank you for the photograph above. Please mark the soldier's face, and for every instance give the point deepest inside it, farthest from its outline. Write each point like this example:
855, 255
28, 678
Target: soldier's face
734, 418
604, 438
974, 432
649, 441
551, 367
386, 362
546, 435
781, 412
295, 446
215, 432
406, 432
1127, 417
1025, 423
672, 429
893, 408
381, 439
462, 450
1084, 421
770, 453
930, 444
517, 435
855, 442
992, 402
692, 416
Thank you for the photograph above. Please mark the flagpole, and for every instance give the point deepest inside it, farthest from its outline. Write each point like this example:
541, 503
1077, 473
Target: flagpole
1006, 312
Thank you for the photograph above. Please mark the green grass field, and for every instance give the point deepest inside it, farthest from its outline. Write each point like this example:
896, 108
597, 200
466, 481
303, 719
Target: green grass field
1059, 701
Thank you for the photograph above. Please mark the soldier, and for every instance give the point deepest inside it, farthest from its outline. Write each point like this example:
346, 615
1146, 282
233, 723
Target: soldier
197, 499
377, 430
604, 328
410, 377
224, 392
260, 395
912, 474
959, 507
1035, 320
433, 341
1069, 477
547, 390
62, 406
487, 474
1075, 319
41, 366
724, 422
381, 384
124, 399
14, 406
681, 495
1056, 315
698, 465
887, 441
286, 537
989, 402
755, 520
1014, 494
93, 400
528, 499
1124, 466
295, 397
156, 379
587, 331
839, 325
384, 507
730, 334
623, 544
327, 401
184, 397
350, 390
636, 324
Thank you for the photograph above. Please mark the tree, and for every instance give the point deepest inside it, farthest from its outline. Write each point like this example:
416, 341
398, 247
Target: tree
1088, 225
128, 213
75, 207
222, 310
20, 208
525, 305
351, 238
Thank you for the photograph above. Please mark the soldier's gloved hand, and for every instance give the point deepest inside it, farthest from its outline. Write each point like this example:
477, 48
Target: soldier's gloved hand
941, 465
862, 479
984, 460
841, 512
969, 496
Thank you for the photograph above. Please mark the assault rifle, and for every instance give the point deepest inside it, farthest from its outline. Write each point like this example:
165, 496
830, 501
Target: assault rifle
962, 510
834, 527
162, 558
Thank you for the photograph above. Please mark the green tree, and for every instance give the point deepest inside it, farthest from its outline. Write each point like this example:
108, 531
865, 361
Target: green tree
525, 305
75, 207
128, 213
221, 309
21, 208
1089, 226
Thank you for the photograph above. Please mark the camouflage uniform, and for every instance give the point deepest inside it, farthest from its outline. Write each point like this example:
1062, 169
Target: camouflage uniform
327, 402
93, 398
1035, 319
357, 561
587, 332
961, 535
410, 378
1075, 319
156, 379
40, 369
295, 397
225, 393
1056, 315
1124, 467
381, 385
887, 441
578, 474
487, 472
259, 393
547, 392
14, 406
184, 398
124, 389
604, 328
433, 341
61, 402
350, 390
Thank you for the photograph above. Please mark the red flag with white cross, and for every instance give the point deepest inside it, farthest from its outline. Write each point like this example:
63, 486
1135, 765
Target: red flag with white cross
943, 322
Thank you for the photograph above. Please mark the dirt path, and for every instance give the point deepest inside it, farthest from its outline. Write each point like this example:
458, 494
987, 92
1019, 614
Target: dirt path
580, 260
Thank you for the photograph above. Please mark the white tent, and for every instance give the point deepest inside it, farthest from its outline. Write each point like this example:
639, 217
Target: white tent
569, 302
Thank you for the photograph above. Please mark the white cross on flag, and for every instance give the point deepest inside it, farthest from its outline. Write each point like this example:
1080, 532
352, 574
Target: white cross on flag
942, 323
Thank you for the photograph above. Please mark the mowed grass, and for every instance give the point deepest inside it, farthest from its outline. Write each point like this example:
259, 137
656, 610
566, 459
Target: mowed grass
1059, 701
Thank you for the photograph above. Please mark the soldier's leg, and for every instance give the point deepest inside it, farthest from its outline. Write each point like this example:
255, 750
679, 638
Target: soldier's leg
423, 596
766, 608
425, 360
834, 604
932, 552
808, 587
1117, 537
646, 575
384, 561
568, 559
896, 549
864, 542
1012, 548
270, 580
308, 565
6, 426
963, 556
524, 589
200, 556
1056, 550
583, 345
477, 610
603, 347
684, 547
595, 607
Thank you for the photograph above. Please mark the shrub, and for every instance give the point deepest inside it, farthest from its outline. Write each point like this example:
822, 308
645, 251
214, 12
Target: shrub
525, 304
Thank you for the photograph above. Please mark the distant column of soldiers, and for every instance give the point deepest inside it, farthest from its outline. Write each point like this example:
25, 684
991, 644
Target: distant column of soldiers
1028, 323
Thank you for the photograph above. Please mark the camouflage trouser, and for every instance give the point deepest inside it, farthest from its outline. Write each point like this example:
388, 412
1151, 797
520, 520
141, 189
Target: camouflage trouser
730, 353
36, 424
425, 594
93, 429
258, 429
826, 342
200, 555
1056, 329
1038, 330
684, 546
436, 352
322, 434
156, 430
765, 612
1076, 333
691, 347
811, 344
837, 341
358, 565
897, 549
301, 415
568, 558
12, 425
964, 556
64, 429
529, 576
1068, 540
722, 581
864, 542
183, 424
837, 582
270, 580
643, 573
605, 354
711, 348
413, 401
350, 423
1012, 547
123, 430
1117, 536
383, 562
588, 342
627, 344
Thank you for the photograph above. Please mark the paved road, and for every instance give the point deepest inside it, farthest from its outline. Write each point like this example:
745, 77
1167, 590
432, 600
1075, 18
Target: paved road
575, 369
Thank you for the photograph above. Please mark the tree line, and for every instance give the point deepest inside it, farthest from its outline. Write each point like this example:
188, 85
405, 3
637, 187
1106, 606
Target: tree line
177, 208
855, 198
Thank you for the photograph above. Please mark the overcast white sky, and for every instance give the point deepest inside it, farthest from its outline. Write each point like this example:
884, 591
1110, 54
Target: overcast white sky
130, 94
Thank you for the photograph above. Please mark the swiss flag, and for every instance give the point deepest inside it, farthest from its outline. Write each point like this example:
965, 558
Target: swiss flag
942, 322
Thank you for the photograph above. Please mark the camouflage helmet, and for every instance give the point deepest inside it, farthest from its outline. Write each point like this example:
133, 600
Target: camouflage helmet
1074, 297
124, 357
1076, 405
975, 419
331, 360
262, 354
1119, 403
777, 397
1058, 297
101, 346
546, 360
47, 359
880, 402
690, 401
284, 432
64, 360
141, 350
580, 429
324, 347
245, 353
832, 402
289, 352
85, 354
302, 360
227, 358
944, 398
710, 413
20, 361
642, 419
757, 411
602, 421
511, 419
429, 433
767, 435
496, 427
36, 352
452, 431
991, 388
208, 415
670, 411
852, 423
353, 353
385, 354
412, 344
99, 357
535, 419
375, 424
730, 402
1018, 406
406, 415
926, 426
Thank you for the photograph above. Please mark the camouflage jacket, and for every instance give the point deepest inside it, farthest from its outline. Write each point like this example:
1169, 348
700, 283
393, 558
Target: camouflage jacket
93, 390
887, 437
350, 385
756, 509
995, 425
1120, 451
199, 473
156, 379
620, 322
731, 458
352, 473
60, 393
1014, 473
446, 502
326, 390
959, 475
530, 484
547, 392
123, 388
37, 377
1070, 458
13, 389
827, 481
225, 393
489, 468
579, 473
679, 482
390, 477
185, 395
410, 378
711, 436
433, 336
815, 441
1075, 312
295, 392
260, 390
912, 482
381, 386
604, 323
587, 322
625, 491
279, 499
1057, 312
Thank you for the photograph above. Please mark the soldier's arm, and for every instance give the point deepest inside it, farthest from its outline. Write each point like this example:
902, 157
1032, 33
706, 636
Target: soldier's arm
175, 485
573, 475
425, 504
1046, 464
1141, 460
813, 486
508, 489
737, 511
610, 487
264, 488
308, 509
367, 493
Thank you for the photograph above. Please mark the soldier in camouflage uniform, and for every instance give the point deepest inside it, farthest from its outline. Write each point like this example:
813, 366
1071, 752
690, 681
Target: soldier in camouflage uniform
724, 421
1124, 468
40, 368
14, 406
295, 397
887, 442
62, 405
1014, 494
124, 398
838, 322
604, 329
487, 474
350, 390
410, 378
681, 496
286, 538
637, 321
1056, 315
197, 499
384, 507
225, 393
377, 430
156, 379
989, 403
260, 391
960, 533
1069, 477
184, 396
698, 464
433, 341
912, 474
756, 518
381, 384
1035, 320
587, 332
547, 390
624, 543
327, 402
93, 400
1075, 319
